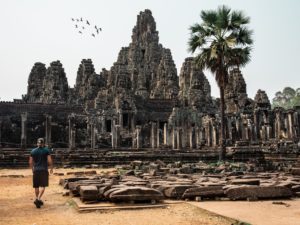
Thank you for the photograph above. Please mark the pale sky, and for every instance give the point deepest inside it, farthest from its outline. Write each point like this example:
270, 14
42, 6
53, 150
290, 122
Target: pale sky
42, 31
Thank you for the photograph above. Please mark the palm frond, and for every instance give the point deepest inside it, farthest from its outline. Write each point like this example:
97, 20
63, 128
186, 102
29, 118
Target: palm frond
238, 18
223, 17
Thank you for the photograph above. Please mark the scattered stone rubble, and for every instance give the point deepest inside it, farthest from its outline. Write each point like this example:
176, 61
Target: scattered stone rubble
234, 182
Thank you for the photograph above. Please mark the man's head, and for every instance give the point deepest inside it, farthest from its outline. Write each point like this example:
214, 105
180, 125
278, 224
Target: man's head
40, 142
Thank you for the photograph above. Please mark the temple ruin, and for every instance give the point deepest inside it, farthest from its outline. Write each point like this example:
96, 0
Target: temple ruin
141, 104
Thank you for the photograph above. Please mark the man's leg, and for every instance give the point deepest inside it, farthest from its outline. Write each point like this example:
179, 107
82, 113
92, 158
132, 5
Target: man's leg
36, 193
41, 193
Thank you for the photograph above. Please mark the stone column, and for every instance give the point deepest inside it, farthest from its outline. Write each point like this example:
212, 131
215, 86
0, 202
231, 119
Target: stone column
296, 123
277, 125
208, 135
138, 137
159, 134
103, 126
72, 133
166, 134
214, 137
116, 137
268, 132
48, 129
197, 137
192, 138
174, 140
23, 130
93, 136
153, 135
291, 125
179, 138
121, 118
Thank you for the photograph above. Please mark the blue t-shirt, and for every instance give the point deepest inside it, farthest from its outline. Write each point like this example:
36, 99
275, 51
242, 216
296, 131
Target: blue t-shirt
40, 155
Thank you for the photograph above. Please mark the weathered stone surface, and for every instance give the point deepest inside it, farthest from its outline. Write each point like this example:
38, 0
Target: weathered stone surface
55, 85
88, 193
35, 83
245, 181
205, 192
176, 191
136, 194
295, 171
88, 83
254, 193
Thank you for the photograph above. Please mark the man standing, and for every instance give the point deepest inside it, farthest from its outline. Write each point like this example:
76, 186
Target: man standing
39, 160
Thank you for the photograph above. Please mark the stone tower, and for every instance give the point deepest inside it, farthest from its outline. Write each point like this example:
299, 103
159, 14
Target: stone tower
35, 83
55, 85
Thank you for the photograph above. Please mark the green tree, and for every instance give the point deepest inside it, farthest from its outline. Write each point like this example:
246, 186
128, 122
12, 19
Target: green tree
287, 99
221, 41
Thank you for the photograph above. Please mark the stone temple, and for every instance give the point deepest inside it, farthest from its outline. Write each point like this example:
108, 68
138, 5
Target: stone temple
142, 103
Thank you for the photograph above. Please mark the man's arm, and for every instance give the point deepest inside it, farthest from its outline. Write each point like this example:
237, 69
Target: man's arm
31, 163
50, 163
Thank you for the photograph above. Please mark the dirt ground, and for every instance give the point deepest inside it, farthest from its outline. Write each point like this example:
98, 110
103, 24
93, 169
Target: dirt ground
17, 208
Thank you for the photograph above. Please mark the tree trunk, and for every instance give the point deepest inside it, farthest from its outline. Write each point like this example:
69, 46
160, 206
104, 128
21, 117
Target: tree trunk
222, 152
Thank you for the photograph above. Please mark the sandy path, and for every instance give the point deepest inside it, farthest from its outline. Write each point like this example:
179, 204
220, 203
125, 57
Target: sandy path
256, 213
17, 208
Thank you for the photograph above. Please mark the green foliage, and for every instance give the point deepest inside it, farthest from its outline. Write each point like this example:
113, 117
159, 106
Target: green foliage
287, 99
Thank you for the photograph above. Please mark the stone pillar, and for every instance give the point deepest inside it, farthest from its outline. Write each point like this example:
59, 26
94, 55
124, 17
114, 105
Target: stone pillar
103, 124
166, 134
158, 135
193, 138
197, 137
290, 125
263, 133
153, 135
179, 138
296, 124
184, 137
93, 136
72, 133
121, 118
268, 132
208, 135
214, 137
116, 137
174, 140
138, 137
48, 129
277, 125
23, 130
88, 133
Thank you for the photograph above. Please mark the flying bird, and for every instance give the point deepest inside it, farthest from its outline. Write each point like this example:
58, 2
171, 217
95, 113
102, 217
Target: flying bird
81, 19
93, 35
72, 19
87, 22
80, 32
83, 28
76, 26
77, 20
97, 31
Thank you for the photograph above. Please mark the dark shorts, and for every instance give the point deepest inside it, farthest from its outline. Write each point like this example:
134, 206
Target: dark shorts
40, 179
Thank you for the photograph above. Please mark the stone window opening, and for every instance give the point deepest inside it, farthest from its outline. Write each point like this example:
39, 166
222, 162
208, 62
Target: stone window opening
108, 125
125, 120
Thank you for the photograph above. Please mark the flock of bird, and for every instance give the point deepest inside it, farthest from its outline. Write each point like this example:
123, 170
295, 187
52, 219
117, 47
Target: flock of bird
84, 26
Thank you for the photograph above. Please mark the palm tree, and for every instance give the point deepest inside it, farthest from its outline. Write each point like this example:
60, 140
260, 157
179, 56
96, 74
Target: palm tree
221, 42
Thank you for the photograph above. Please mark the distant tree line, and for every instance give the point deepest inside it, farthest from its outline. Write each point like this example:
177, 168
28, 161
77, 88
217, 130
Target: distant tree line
287, 98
